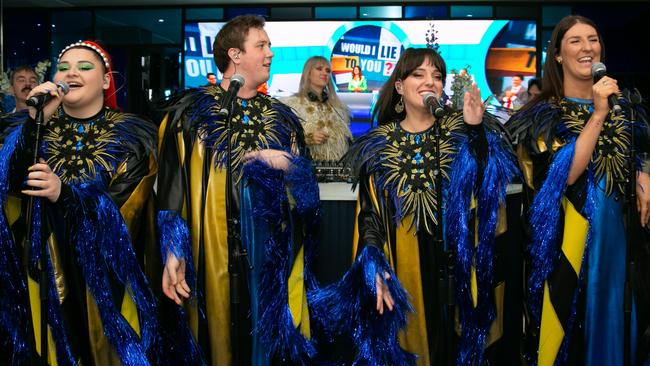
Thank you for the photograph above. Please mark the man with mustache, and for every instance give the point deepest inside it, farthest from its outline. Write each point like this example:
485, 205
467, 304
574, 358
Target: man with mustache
23, 80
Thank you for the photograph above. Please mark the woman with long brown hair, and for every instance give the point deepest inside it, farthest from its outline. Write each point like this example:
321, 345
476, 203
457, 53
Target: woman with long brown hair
572, 150
397, 250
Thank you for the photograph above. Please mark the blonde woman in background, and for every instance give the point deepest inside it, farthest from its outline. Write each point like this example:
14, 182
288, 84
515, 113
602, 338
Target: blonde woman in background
325, 118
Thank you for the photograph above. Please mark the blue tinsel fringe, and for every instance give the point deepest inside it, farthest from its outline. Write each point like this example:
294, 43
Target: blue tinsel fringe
276, 328
14, 308
54, 319
103, 245
349, 307
303, 187
499, 170
590, 204
544, 216
174, 237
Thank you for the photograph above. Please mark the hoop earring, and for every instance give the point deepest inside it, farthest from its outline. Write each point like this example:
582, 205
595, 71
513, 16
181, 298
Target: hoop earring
399, 107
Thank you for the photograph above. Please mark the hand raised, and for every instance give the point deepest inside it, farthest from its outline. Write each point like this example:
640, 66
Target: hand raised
473, 107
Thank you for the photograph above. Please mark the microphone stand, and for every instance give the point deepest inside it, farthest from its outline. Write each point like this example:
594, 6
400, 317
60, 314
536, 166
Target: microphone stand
630, 238
446, 284
27, 243
236, 253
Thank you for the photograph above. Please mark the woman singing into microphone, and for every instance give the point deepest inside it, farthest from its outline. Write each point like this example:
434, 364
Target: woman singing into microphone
396, 250
572, 150
91, 188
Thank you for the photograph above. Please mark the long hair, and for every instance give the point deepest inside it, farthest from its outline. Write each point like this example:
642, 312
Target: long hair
553, 78
410, 60
359, 75
305, 85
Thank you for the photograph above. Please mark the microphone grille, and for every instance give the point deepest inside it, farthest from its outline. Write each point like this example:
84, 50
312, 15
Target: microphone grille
65, 88
427, 96
238, 79
598, 70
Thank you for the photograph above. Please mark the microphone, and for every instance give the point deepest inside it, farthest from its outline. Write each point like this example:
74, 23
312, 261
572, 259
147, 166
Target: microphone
433, 102
598, 70
236, 82
38, 101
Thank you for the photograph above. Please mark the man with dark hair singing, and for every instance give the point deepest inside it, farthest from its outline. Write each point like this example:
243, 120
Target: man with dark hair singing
244, 220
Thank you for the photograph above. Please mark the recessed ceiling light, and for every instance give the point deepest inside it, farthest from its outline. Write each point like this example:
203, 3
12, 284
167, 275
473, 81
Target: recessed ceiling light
161, 20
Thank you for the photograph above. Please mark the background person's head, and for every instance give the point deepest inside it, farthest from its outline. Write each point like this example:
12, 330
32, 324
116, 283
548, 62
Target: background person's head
534, 88
316, 75
517, 79
212, 78
356, 72
23, 80
316, 78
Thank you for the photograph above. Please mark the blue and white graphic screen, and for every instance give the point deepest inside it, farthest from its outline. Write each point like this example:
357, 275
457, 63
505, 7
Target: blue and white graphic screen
494, 50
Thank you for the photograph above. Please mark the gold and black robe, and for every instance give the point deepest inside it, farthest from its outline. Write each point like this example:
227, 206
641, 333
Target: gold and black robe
578, 235
101, 310
275, 215
394, 233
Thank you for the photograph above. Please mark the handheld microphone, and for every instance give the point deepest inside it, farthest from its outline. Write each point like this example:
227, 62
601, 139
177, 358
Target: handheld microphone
433, 102
598, 70
38, 101
236, 82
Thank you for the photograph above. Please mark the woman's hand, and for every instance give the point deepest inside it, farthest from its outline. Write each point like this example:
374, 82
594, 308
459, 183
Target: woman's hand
173, 280
46, 88
383, 293
601, 90
276, 159
473, 107
46, 182
643, 197
320, 137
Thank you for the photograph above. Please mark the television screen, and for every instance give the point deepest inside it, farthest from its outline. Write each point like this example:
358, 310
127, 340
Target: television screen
488, 52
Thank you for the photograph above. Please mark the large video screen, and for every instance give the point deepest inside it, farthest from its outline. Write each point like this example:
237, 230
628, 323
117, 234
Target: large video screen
490, 52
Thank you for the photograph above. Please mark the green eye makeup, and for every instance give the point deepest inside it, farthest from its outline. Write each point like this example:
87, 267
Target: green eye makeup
81, 66
85, 66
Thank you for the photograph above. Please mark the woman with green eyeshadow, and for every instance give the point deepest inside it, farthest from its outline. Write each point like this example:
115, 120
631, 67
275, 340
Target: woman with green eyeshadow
92, 190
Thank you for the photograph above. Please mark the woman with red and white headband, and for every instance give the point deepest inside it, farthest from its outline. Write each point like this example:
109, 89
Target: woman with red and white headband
93, 183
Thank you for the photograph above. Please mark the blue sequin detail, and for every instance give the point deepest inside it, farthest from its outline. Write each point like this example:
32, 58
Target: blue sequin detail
418, 158
246, 119
244, 103
80, 129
